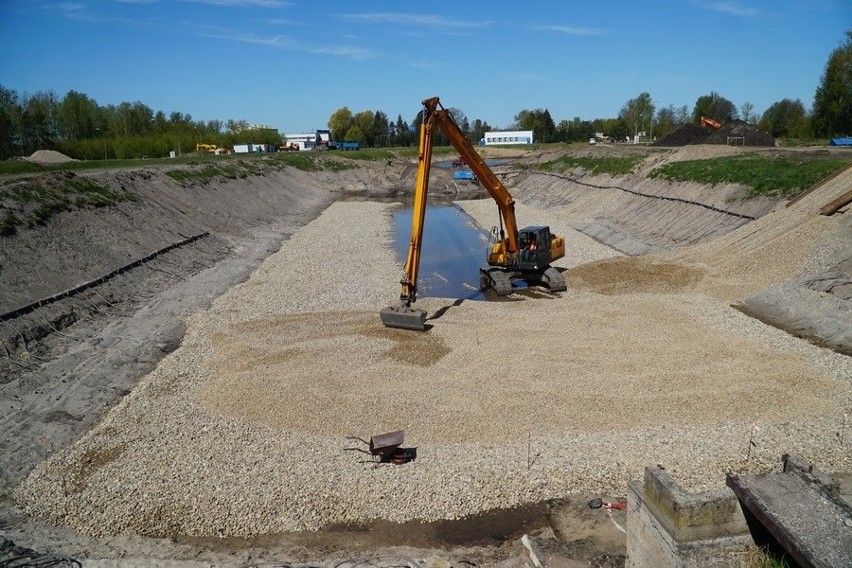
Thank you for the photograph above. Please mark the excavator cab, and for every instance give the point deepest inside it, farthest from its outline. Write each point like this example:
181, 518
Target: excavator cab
537, 248
534, 251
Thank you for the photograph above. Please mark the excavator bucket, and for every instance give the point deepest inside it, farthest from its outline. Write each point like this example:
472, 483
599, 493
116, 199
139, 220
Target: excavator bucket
403, 317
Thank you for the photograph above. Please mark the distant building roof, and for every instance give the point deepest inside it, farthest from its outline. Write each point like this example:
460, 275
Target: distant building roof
841, 141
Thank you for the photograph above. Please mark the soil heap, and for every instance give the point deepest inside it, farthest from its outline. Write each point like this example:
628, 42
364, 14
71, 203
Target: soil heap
740, 133
736, 132
684, 136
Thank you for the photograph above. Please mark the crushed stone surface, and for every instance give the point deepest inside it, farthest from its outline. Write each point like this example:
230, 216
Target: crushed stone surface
243, 429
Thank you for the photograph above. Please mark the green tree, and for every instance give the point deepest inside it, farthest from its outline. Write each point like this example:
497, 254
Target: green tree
574, 130
353, 134
539, 121
785, 118
479, 129
235, 126
460, 119
832, 112
665, 121
340, 123
638, 113
160, 122
402, 134
78, 116
747, 112
379, 131
39, 121
140, 119
714, 106
364, 121
10, 123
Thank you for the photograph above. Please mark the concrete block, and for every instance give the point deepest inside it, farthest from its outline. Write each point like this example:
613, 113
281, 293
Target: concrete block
667, 527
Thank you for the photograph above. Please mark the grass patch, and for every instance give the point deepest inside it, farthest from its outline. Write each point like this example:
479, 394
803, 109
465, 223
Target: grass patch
300, 161
31, 202
206, 172
763, 175
9, 223
603, 165
203, 172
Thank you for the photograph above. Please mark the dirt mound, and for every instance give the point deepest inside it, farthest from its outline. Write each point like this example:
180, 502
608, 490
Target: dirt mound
628, 275
683, 136
735, 132
49, 157
740, 133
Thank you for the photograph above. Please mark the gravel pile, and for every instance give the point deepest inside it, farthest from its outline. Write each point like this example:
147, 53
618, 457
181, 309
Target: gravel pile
49, 157
242, 430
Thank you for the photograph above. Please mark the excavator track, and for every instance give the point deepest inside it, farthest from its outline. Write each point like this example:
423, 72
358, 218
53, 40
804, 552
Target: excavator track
554, 280
496, 279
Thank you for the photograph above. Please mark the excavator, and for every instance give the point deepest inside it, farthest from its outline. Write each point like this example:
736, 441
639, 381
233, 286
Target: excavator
707, 121
513, 254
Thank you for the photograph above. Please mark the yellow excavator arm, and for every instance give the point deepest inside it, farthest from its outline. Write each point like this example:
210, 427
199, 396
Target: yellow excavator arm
505, 251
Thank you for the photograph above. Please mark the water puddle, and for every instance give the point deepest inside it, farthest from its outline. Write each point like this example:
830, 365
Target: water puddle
450, 164
454, 249
489, 528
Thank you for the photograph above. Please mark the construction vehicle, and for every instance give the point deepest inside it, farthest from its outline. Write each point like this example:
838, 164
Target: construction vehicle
512, 255
211, 149
707, 121
291, 147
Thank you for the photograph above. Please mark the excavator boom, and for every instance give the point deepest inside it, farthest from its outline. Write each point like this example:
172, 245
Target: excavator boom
505, 252
404, 316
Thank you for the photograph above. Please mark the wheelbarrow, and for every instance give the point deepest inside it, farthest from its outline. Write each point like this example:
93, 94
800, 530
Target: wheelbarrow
386, 447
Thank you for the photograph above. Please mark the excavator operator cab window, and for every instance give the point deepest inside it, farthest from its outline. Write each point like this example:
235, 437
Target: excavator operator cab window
528, 244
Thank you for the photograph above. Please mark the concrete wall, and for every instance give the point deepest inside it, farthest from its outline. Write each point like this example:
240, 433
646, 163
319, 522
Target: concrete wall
669, 528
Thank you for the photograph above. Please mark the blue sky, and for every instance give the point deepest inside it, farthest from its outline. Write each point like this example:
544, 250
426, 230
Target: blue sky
291, 63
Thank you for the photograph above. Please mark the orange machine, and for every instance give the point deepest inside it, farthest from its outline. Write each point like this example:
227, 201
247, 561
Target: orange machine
513, 254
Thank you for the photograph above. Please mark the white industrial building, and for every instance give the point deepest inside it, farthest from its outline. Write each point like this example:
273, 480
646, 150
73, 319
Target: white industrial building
310, 140
253, 148
508, 137
306, 141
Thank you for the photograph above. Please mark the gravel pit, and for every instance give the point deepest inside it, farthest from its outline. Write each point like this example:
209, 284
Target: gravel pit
242, 430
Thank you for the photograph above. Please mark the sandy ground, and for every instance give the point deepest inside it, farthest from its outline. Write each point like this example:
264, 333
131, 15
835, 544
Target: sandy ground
509, 403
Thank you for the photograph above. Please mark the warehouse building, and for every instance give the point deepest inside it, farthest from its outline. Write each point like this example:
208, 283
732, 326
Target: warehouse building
310, 140
507, 137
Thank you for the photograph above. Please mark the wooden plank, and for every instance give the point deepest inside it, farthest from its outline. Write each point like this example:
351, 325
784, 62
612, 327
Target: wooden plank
842, 201
809, 524
819, 184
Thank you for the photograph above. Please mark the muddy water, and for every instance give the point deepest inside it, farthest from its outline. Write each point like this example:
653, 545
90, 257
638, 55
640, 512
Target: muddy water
490, 528
454, 248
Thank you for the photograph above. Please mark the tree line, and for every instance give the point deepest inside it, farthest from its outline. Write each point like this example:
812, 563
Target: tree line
79, 127
831, 116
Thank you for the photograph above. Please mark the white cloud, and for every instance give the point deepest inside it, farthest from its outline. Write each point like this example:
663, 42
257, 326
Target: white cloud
732, 8
66, 7
569, 30
421, 20
289, 44
241, 3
